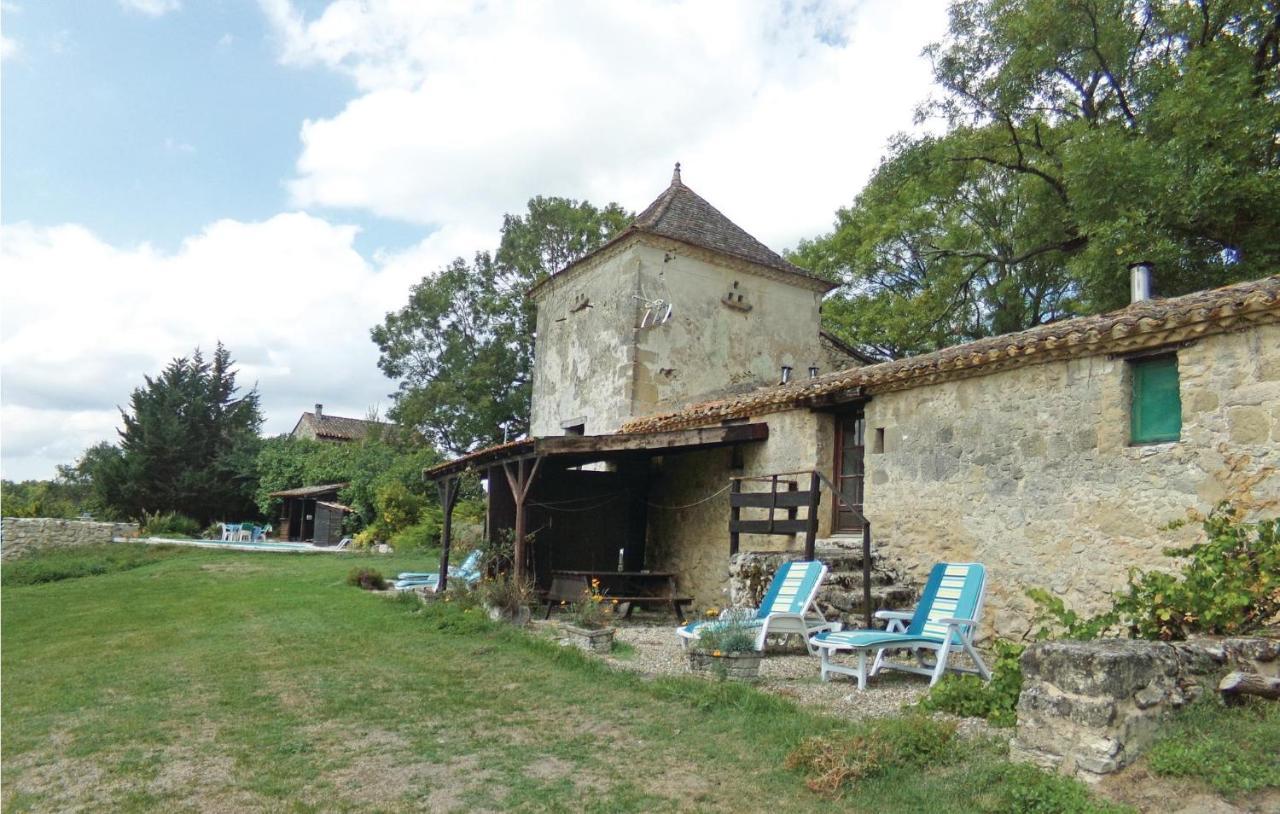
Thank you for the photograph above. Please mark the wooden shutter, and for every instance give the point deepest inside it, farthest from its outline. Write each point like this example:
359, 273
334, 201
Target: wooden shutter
1156, 408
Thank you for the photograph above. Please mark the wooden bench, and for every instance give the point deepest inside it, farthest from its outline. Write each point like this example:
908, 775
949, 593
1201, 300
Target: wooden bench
569, 587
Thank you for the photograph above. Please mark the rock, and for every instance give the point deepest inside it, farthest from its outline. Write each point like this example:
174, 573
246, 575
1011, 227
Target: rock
1090, 708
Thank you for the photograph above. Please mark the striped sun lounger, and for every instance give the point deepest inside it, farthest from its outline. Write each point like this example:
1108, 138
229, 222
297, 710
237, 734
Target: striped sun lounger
468, 572
787, 608
943, 623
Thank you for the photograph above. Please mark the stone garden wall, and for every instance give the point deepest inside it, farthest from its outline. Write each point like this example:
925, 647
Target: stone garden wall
19, 535
1090, 708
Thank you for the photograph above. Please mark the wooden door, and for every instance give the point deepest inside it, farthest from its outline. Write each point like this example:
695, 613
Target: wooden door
850, 449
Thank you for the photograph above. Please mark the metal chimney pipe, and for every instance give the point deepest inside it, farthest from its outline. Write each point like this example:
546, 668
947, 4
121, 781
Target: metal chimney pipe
319, 411
1140, 281
786, 374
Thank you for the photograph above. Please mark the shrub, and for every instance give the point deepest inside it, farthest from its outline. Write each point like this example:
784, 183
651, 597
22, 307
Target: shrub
169, 523
970, 697
1229, 585
422, 535
366, 578
398, 508
506, 593
833, 762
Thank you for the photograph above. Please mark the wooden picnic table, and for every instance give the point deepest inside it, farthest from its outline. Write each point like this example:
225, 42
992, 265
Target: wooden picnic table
629, 588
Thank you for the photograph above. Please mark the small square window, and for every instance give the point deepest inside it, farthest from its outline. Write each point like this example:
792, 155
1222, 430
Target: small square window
1155, 408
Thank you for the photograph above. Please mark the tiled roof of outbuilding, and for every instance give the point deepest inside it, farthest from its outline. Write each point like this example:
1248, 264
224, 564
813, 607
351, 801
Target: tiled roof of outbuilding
681, 214
340, 428
1143, 325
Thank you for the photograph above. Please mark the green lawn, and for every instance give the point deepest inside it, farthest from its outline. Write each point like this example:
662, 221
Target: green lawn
207, 680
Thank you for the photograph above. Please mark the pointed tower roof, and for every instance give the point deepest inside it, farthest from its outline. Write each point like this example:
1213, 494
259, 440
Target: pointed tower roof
681, 214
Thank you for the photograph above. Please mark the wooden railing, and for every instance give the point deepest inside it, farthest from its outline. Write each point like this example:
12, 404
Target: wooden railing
790, 499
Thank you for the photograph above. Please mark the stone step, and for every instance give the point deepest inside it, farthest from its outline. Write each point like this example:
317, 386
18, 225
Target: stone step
852, 580
837, 559
849, 603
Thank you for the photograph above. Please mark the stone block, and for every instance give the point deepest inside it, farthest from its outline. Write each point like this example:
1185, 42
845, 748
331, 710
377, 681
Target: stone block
1091, 708
1248, 425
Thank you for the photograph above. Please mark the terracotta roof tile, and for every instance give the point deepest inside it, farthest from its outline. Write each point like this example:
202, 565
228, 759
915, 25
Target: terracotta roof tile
341, 428
1147, 324
681, 214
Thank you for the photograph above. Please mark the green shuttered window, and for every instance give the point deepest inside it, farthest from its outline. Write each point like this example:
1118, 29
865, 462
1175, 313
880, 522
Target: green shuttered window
1156, 410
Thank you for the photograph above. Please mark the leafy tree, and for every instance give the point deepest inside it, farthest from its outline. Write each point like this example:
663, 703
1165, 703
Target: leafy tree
189, 445
43, 498
1081, 136
462, 348
385, 479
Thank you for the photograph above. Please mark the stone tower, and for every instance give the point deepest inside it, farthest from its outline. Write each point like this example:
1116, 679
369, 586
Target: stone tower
681, 306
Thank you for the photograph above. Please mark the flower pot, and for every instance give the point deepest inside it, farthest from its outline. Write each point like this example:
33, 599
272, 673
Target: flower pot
742, 666
592, 640
519, 617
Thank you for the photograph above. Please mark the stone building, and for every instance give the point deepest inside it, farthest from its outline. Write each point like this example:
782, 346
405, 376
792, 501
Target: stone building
334, 428
681, 306
1056, 455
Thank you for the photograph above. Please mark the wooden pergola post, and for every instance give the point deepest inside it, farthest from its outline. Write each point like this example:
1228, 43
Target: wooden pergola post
520, 482
811, 532
735, 514
448, 487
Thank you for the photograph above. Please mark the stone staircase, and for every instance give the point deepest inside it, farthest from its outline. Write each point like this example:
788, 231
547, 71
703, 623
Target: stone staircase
840, 596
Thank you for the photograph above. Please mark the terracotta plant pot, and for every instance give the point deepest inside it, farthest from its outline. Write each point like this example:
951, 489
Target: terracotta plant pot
592, 640
743, 666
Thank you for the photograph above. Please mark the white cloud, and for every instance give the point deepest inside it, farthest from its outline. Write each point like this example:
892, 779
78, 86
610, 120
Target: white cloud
84, 321
151, 8
9, 48
467, 110
462, 112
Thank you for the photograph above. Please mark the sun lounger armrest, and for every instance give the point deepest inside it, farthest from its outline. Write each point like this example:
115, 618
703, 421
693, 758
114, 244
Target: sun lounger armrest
958, 622
904, 616
897, 620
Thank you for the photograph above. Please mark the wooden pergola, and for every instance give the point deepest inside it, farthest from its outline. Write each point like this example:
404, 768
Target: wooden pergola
521, 461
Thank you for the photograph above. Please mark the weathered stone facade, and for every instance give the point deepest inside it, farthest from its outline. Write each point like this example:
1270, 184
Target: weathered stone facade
1030, 471
689, 533
1091, 708
597, 367
24, 534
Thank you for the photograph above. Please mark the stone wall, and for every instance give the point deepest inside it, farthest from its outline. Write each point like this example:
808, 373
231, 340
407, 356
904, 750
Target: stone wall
19, 535
1030, 471
693, 540
1091, 708
596, 364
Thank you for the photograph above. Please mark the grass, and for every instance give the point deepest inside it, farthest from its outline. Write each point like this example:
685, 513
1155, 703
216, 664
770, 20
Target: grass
1234, 750
247, 681
69, 563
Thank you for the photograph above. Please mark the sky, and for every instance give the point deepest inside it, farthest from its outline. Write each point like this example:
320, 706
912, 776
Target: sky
276, 175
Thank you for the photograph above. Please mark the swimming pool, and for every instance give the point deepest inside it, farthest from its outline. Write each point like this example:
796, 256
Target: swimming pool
235, 546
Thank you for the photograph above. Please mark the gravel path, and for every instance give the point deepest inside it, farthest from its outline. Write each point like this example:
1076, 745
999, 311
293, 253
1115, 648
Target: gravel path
791, 673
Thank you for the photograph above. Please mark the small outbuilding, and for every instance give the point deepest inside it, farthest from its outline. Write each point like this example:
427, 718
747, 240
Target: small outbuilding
312, 514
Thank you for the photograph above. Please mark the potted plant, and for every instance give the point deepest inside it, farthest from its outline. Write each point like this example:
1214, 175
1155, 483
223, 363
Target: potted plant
726, 649
507, 598
589, 627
